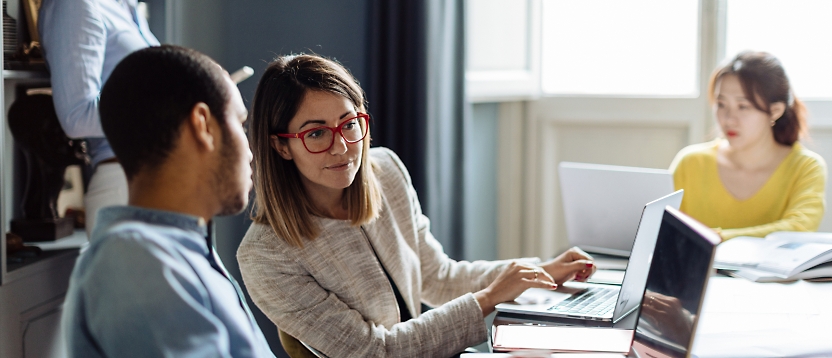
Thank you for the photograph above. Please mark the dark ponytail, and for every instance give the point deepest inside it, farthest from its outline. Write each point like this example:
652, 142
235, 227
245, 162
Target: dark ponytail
792, 125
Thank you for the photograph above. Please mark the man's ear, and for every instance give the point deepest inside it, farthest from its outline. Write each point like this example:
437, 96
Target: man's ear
201, 126
280, 147
777, 110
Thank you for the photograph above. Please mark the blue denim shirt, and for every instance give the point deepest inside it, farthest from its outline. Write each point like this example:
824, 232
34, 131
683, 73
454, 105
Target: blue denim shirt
149, 285
83, 41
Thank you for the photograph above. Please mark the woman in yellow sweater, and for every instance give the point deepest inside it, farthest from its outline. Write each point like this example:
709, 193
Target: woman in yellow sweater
756, 178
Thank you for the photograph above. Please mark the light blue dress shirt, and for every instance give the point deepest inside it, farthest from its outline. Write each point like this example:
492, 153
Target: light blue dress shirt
150, 285
83, 41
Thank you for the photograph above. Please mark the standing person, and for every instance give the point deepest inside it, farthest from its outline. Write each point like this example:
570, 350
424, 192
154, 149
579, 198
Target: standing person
756, 178
150, 283
340, 256
83, 41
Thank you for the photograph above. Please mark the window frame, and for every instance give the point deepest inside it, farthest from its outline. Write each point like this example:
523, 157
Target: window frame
511, 85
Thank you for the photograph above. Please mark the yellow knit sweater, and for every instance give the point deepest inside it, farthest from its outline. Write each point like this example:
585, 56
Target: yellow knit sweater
791, 200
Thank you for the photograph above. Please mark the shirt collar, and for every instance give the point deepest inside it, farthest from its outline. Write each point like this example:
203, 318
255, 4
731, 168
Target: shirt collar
111, 215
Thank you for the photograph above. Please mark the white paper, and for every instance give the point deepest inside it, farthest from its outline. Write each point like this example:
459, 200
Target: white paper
562, 338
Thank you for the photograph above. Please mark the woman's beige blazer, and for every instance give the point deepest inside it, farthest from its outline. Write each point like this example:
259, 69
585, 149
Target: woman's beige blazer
333, 295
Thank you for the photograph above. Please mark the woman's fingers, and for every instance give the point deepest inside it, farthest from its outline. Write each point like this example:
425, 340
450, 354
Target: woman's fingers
549, 285
571, 264
537, 275
515, 278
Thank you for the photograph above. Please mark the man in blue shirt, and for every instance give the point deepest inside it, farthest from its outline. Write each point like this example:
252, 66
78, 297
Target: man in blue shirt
83, 40
150, 283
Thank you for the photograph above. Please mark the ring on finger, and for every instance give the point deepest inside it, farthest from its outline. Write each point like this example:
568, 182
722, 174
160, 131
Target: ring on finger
536, 273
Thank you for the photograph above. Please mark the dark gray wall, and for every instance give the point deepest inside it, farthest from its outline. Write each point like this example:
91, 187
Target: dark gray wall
259, 30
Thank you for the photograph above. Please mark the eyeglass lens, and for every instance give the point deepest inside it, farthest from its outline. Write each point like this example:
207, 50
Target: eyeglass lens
321, 139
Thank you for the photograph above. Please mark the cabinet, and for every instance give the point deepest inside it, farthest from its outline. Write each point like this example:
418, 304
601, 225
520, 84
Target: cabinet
32, 291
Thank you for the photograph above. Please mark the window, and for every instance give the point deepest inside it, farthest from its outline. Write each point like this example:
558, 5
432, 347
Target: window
636, 47
623, 83
793, 31
502, 49
502, 39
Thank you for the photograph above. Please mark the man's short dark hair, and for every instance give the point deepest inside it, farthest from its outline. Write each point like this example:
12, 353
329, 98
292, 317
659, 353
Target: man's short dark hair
149, 95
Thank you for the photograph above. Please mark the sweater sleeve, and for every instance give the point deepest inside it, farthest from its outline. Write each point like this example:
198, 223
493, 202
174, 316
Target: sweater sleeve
805, 207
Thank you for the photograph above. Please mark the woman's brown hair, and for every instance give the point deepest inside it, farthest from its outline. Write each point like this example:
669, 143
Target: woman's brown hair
281, 200
764, 82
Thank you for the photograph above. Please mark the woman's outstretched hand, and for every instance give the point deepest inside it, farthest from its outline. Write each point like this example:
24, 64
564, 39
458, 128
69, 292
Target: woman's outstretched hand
516, 278
572, 264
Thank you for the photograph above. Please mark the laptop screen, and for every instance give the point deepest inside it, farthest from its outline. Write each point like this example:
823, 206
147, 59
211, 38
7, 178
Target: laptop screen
675, 287
632, 288
602, 203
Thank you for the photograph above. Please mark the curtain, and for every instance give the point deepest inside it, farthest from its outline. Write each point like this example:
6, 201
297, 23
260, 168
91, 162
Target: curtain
416, 97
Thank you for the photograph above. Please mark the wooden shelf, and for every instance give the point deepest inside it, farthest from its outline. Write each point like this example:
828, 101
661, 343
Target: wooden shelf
25, 75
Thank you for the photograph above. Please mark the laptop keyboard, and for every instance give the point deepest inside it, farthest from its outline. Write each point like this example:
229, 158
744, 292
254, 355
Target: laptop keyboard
595, 301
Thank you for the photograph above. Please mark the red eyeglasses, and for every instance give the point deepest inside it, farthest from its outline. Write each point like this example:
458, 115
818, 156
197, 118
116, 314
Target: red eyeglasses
320, 139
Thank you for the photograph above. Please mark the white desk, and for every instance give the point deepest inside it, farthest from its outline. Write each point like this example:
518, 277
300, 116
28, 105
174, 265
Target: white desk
745, 319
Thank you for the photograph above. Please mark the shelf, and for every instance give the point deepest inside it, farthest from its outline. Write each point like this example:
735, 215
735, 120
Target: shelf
51, 251
45, 261
74, 241
45, 255
25, 75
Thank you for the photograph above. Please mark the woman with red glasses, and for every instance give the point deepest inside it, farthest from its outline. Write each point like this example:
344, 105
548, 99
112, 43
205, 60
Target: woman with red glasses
340, 256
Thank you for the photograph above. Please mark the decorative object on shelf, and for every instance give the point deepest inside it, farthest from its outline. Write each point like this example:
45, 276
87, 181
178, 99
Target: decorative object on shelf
48, 151
31, 7
16, 251
27, 54
9, 34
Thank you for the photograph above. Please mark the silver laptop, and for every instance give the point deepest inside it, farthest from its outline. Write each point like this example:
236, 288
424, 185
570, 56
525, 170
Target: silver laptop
598, 304
602, 203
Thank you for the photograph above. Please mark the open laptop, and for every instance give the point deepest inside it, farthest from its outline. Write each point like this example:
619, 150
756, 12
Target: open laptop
601, 203
671, 301
598, 304
675, 289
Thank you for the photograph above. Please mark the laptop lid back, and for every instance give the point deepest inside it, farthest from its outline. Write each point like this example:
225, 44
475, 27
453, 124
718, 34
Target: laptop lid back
635, 277
675, 288
602, 203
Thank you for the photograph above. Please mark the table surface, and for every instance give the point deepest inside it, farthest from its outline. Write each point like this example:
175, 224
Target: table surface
740, 318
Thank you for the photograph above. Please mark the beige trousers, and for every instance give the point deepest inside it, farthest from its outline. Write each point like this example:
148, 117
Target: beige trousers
108, 187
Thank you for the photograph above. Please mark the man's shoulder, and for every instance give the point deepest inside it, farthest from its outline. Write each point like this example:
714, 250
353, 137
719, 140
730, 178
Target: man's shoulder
134, 243
133, 235
132, 262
